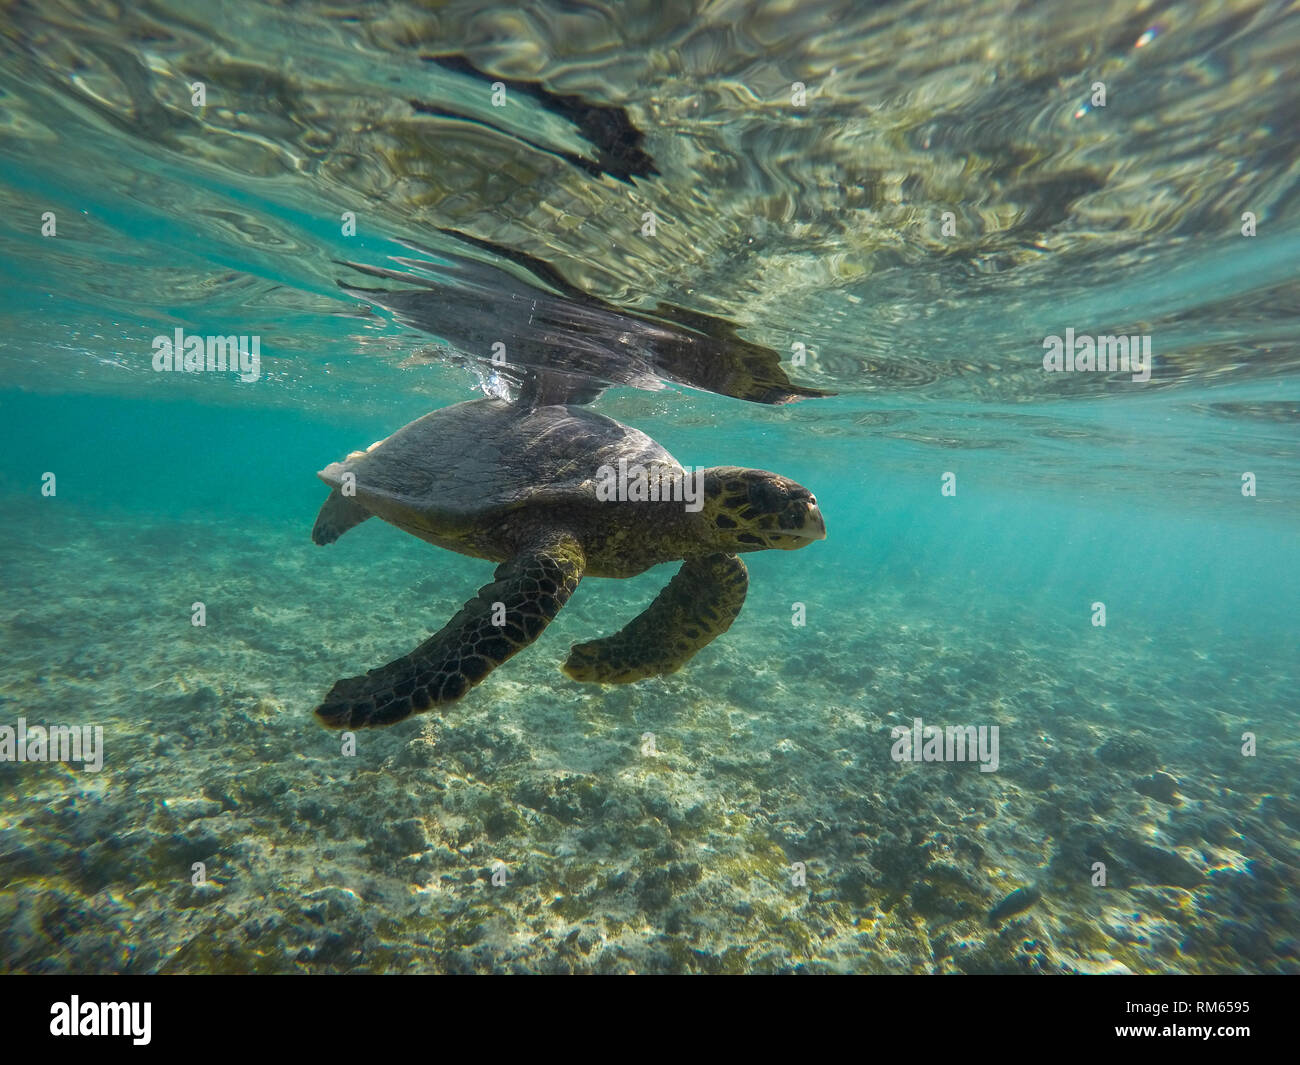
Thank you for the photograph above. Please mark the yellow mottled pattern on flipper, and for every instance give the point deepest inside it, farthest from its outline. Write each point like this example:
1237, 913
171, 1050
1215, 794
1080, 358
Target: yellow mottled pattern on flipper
697, 606
531, 588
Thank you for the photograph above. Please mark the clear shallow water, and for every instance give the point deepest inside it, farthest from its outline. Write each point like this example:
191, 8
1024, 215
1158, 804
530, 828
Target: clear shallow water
820, 225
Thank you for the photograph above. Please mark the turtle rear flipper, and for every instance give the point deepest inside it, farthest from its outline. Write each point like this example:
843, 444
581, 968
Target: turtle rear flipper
531, 588
337, 516
697, 606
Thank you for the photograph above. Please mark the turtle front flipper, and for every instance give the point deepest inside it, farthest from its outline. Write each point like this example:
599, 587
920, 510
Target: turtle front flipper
697, 606
530, 588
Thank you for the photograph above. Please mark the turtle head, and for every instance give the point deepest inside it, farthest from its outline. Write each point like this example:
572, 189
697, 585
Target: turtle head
753, 510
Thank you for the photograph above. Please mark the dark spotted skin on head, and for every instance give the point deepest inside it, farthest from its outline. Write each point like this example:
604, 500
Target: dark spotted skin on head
758, 510
697, 606
533, 586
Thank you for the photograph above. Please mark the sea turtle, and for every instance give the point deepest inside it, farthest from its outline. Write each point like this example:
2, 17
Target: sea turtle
554, 493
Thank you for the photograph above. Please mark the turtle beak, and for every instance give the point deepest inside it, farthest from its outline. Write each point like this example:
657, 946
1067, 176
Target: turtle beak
811, 526
815, 524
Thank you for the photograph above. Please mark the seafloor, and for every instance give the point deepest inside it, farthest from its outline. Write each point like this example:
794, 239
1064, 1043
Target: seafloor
772, 748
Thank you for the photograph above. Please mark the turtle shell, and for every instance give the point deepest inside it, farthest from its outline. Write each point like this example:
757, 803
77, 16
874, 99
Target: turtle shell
456, 466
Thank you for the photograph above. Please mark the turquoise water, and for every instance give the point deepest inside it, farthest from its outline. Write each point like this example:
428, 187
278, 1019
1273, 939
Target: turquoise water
766, 826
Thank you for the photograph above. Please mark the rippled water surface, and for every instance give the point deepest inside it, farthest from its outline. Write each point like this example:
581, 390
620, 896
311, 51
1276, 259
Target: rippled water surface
827, 239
